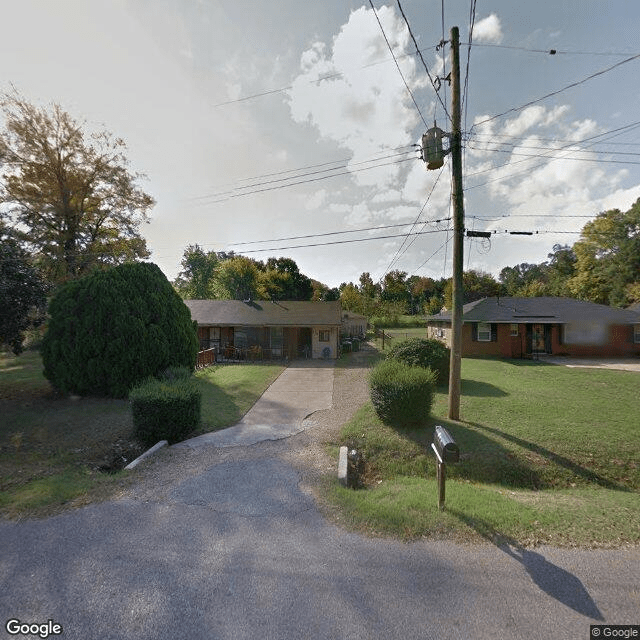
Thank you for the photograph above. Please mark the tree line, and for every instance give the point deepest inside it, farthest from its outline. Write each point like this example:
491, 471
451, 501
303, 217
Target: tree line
69, 205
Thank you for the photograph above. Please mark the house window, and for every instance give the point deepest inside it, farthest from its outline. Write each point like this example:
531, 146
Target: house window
514, 329
484, 332
324, 335
636, 333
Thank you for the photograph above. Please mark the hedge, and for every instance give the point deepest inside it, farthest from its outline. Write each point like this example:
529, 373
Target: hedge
424, 352
402, 395
165, 410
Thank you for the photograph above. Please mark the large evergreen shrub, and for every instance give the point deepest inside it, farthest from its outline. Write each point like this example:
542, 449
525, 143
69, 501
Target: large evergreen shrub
400, 394
113, 329
424, 352
165, 409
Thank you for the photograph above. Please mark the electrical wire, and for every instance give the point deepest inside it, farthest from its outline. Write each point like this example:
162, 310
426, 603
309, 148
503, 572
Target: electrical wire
333, 233
552, 52
555, 93
250, 191
398, 253
375, 13
324, 244
424, 64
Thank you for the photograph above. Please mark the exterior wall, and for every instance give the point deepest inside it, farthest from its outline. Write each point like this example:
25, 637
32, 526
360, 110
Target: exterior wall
354, 327
618, 344
317, 347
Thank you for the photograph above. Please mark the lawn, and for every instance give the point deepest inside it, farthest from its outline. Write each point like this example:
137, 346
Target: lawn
549, 455
52, 448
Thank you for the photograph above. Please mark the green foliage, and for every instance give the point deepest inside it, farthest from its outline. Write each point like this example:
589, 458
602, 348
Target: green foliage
22, 293
475, 285
165, 410
196, 280
402, 395
113, 329
424, 352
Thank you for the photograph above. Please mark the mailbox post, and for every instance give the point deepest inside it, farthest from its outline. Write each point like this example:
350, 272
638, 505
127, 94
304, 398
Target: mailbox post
446, 450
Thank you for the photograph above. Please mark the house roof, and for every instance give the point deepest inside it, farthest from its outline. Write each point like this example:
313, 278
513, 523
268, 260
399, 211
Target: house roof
261, 313
543, 310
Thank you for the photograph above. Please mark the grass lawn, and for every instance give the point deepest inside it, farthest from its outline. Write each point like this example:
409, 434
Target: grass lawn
52, 447
549, 455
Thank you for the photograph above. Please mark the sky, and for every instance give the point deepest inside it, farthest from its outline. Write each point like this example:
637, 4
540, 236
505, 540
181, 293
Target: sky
222, 109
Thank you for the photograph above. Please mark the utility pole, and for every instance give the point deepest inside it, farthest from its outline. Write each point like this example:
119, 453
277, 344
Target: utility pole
458, 231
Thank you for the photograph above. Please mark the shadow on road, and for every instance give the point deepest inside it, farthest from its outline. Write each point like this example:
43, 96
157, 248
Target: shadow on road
550, 578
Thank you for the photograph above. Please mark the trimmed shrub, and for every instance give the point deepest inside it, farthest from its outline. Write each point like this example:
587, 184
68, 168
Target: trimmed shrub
113, 329
424, 352
402, 395
165, 410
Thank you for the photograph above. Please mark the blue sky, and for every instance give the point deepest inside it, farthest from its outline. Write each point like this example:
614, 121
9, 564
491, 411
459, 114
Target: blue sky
175, 79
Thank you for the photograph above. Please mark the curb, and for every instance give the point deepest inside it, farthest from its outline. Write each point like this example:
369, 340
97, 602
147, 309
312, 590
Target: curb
146, 454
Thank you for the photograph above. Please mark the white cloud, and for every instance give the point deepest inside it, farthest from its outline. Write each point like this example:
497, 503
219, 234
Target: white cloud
365, 109
488, 30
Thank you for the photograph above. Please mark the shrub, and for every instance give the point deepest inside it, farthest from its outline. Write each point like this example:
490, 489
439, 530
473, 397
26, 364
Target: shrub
402, 395
424, 352
165, 410
113, 329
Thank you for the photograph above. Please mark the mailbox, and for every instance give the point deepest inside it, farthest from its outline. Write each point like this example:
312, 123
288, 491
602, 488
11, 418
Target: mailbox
445, 446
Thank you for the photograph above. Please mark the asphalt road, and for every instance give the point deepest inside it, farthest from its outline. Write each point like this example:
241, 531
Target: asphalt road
226, 545
239, 551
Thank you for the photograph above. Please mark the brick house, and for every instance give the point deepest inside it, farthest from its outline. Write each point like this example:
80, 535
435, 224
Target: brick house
520, 327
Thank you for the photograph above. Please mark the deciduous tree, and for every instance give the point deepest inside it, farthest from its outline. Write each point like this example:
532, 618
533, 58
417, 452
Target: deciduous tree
69, 195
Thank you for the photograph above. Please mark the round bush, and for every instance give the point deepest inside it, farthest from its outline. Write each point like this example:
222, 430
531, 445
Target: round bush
424, 352
402, 395
113, 329
165, 410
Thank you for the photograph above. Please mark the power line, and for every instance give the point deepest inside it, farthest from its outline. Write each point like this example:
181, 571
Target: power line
299, 175
398, 254
616, 132
332, 233
233, 194
554, 93
424, 64
375, 13
552, 52
324, 244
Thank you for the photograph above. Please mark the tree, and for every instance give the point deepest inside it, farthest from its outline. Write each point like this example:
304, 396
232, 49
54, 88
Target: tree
238, 279
70, 197
476, 285
608, 257
196, 281
112, 329
22, 293
282, 280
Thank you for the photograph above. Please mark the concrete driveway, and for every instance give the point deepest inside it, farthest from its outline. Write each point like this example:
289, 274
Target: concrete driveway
303, 388
622, 364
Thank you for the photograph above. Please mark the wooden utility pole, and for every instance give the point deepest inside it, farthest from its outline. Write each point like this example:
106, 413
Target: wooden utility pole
458, 231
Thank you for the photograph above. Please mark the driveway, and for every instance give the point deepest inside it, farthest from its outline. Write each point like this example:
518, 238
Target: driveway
226, 542
623, 364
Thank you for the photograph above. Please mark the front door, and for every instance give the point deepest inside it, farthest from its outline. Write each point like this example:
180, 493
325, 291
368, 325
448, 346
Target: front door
540, 338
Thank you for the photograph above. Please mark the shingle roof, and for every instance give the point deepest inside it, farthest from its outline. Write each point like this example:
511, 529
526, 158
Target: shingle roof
539, 310
261, 313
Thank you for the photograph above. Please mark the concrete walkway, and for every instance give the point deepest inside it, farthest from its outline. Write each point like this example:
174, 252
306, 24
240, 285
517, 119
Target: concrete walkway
301, 389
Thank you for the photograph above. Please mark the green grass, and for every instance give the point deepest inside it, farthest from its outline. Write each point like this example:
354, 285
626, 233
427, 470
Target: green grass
229, 391
51, 447
549, 454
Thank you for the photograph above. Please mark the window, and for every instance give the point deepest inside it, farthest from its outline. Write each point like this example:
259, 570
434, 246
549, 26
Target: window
324, 335
636, 333
514, 329
484, 332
